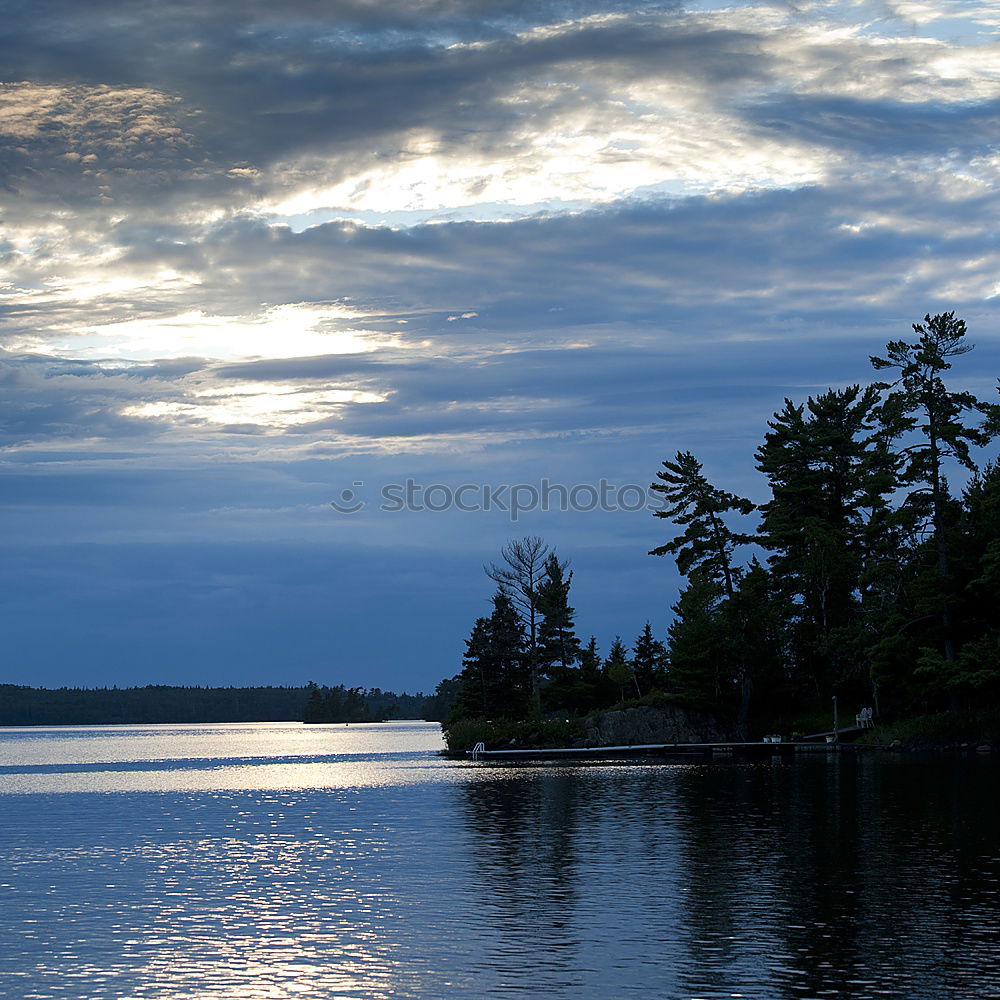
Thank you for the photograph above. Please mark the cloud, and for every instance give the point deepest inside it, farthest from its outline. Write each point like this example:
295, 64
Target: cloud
252, 253
563, 297
192, 110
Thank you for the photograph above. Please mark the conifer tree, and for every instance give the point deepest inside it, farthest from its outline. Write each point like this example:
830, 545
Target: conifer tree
706, 547
975, 672
520, 574
494, 681
828, 470
919, 408
618, 667
698, 644
593, 684
558, 646
707, 540
649, 659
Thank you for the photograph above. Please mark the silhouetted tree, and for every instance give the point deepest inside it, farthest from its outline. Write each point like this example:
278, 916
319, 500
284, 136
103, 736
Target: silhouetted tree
707, 543
558, 646
494, 678
975, 544
699, 647
829, 470
618, 667
649, 661
700, 508
918, 406
521, 574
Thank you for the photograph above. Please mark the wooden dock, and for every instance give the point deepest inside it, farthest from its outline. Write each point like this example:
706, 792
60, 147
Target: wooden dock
650, 750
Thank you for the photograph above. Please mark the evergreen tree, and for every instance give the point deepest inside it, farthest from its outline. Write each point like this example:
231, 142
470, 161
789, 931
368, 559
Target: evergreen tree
558, 646
649, 659
494, 681
919, 408
590, 661
975, 672
763, 641
313, 711
828, 470
699, 649
595, 690
477, 679
618, 668
520, 575
706, 545
707, 541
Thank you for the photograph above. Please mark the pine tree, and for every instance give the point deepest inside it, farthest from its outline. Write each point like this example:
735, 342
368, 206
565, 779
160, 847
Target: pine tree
828, 470
558, 646
699, 647
975, 672
707, 541
618, 667
595, 691
494, 681
520, 575
919, 407
649, 660
707, 544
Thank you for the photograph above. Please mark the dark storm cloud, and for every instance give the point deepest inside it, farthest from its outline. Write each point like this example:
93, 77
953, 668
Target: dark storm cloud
173, 107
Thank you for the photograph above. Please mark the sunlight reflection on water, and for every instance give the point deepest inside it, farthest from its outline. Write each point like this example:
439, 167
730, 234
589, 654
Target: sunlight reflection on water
185, 863
217, 757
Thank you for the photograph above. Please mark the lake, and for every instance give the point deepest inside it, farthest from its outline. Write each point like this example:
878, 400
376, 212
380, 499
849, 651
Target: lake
280, 861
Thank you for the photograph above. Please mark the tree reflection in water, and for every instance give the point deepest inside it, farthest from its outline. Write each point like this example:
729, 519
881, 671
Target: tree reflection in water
850, 875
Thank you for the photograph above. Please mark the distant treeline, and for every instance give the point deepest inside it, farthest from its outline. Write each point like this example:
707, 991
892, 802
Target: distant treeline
156, 703
342, 704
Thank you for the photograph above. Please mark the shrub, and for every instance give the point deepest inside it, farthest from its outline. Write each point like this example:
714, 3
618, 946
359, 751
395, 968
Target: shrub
503, 734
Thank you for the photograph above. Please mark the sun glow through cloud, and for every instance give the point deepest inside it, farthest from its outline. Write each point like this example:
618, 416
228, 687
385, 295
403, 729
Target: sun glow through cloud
286, 331
263, 405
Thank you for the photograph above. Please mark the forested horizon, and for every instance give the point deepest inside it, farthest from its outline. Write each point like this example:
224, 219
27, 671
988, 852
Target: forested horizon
150, 704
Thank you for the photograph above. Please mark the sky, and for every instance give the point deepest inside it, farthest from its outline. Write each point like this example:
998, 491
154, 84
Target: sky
261, 259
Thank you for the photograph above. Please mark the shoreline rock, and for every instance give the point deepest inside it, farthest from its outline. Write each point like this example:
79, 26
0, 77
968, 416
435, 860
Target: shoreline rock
648, 724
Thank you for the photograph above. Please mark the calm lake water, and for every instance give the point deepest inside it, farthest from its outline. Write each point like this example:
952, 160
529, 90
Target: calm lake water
278, 861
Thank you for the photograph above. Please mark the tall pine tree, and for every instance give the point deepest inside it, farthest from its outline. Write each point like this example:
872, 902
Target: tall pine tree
706, 547
558, 645
829, 471
933, 422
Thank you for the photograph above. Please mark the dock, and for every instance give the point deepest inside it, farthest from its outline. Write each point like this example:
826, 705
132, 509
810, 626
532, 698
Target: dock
650, 751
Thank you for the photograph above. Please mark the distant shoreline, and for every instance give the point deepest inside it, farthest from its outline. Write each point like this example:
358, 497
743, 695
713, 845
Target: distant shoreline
161, 704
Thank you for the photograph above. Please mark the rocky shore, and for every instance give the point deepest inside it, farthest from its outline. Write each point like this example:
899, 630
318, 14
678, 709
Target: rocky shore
645, 724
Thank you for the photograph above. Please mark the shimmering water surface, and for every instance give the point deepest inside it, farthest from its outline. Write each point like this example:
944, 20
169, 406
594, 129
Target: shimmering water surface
280, 861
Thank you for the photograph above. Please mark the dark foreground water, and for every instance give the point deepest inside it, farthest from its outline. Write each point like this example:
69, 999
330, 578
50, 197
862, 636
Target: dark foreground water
277, 861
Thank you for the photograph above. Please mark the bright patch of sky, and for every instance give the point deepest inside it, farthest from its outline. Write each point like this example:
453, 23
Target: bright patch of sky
276, 406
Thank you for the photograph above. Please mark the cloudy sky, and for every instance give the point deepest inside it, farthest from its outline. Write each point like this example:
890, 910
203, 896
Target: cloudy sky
255, 254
